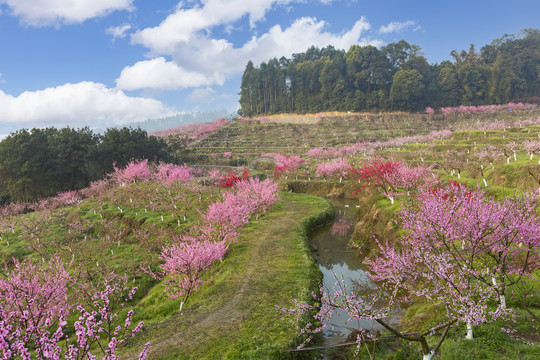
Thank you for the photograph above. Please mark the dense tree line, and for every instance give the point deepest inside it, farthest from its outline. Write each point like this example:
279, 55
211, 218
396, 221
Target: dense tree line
41, 162
394, 77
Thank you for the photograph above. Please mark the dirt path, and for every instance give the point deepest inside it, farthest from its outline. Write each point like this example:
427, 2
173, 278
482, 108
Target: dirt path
239, 304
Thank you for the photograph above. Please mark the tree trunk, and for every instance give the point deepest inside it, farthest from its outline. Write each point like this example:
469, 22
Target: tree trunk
469, 332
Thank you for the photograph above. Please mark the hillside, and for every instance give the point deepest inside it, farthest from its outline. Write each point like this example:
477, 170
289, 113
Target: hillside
124, 229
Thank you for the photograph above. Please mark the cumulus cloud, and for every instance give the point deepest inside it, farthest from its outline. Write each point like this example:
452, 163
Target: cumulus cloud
163, 75
118, 32
206, 61
397, 27
56, 12
81, 104
184, 22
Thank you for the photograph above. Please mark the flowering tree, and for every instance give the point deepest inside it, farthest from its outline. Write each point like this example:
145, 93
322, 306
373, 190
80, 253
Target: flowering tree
490, 109
31, 295
461, 250
509, 151
135, 170
34, 306
66, 198
336, 167
484, 158
284, 163
222, 219
231, 179
260, 194
394, 177
170, 173
319, 153
185, 263
532, 147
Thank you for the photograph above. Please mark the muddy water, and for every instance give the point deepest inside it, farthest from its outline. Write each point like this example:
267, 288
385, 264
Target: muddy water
330, 246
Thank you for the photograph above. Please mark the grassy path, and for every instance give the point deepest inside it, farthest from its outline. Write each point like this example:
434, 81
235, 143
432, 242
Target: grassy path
233, 315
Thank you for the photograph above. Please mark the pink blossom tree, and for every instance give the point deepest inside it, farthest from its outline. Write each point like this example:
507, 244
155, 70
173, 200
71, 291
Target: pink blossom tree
532, 147
394, 177
184, 265
169, 173
31, 293
133, 171
336, 167
484, 158
260, 194
96, 330
461, 250
223, 219
284, 163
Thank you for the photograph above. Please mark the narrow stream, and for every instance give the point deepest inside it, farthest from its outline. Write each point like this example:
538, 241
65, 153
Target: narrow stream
330, 246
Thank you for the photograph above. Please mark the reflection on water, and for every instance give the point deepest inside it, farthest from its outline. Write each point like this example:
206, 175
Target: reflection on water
331, 249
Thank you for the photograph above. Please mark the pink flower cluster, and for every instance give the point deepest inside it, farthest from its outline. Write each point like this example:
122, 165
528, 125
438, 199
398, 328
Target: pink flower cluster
141, 171
205, 130
170, 173
336, 167
490, 109
195, 131
464, 248
34, 305
368, 148
460, 249
319, 153
223, 219
532, 146
66, 198
394, 177
286, 163
184, 263
133, 171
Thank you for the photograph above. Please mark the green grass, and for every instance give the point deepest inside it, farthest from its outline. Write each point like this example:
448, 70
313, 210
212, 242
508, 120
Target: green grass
233, 316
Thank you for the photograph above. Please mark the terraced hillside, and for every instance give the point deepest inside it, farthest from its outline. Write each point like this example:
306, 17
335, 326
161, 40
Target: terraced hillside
247, 139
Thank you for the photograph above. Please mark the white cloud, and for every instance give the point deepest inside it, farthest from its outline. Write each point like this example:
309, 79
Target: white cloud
205, 95
2, 80
56, 12
118, 32
81, 104
163, 75
397, 27
180, 26
206, 61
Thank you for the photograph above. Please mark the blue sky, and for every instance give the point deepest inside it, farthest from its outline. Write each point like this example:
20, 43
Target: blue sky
100, 63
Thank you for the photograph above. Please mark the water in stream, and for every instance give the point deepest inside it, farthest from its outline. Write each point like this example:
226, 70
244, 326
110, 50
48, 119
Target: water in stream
331, 249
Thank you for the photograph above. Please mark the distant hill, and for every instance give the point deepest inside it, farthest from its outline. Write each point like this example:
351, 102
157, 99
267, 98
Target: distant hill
176, 120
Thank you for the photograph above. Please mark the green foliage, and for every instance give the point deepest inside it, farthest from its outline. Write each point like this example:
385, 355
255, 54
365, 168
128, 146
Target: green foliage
364, 78
39, 163
407, 90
